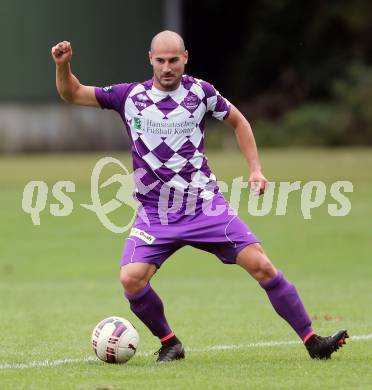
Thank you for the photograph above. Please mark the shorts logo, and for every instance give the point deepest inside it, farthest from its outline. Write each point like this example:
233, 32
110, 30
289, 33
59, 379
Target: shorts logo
148, 238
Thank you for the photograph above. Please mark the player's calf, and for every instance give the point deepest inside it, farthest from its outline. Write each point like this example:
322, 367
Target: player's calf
148, 307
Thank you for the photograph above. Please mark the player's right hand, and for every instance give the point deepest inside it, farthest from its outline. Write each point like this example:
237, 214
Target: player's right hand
62, 52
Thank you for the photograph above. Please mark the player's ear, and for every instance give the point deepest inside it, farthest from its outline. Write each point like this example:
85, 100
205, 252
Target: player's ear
186, 56
150, 57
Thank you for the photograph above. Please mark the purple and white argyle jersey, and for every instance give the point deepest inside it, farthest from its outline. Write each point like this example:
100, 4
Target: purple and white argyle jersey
166, 130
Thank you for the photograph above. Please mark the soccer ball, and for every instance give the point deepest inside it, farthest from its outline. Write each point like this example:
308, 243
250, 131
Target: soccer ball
115, 340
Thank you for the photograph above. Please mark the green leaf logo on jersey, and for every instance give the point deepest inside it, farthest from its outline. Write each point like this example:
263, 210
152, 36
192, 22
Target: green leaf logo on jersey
137, 123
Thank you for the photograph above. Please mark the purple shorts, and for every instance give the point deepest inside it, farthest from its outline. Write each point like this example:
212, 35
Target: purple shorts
224, 235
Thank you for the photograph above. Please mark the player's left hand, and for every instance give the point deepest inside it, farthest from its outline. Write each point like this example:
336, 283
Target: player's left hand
257, 182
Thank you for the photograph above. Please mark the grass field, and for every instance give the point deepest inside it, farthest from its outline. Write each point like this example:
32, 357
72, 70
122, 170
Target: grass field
57, 280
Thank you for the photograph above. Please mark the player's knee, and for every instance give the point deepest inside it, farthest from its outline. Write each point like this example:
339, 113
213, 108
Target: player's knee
131, 284
254, 260
263, 270
266, 270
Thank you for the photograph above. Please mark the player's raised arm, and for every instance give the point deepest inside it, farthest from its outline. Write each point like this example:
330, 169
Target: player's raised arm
69, 87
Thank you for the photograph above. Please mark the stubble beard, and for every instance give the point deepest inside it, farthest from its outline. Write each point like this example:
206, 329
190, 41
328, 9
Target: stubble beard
171, 84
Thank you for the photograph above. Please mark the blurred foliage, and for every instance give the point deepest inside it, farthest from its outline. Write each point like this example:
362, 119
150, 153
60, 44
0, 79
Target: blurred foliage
276, 46
300, 72
345, 119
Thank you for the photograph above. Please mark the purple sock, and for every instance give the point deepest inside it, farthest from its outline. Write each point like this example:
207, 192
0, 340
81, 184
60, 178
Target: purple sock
148, 307
287, 303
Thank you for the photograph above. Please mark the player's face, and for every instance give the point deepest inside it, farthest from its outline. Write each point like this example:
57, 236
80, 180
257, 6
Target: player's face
168, 68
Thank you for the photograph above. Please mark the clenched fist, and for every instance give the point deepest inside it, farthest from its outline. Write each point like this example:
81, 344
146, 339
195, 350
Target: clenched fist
62, 52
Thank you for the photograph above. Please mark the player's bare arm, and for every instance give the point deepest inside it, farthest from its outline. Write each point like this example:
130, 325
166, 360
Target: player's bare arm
247, 144
69, 87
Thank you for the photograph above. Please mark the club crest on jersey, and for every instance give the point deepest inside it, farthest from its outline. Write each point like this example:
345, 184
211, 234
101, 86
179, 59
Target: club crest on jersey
107, 89
191, 102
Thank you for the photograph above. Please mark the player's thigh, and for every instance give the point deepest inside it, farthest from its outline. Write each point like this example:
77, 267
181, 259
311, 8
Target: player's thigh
254, 260
224, 236
141, 259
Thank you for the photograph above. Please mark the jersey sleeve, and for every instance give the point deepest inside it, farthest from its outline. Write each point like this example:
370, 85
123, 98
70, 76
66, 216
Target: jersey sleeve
112, 96
216, 104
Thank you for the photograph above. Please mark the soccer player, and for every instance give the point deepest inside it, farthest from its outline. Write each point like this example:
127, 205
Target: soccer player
165, 119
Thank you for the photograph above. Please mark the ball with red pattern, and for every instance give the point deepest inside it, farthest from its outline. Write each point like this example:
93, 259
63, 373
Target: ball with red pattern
115, 340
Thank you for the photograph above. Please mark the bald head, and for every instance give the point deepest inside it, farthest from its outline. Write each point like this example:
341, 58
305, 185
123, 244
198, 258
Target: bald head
167, 40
